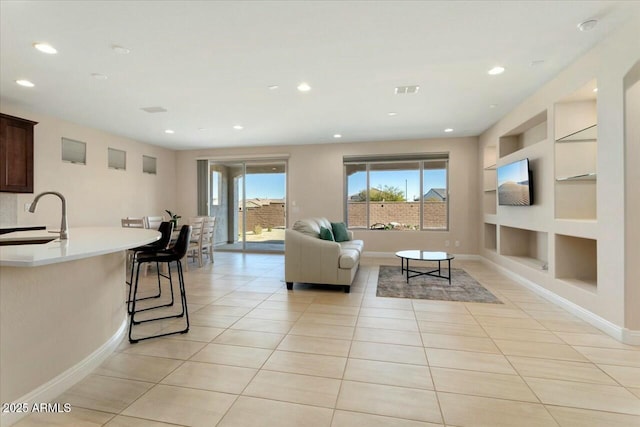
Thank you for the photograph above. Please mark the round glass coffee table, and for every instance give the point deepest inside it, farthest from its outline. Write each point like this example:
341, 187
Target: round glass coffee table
418, 255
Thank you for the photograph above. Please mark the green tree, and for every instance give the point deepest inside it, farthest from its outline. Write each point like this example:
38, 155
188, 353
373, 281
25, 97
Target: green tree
386, 194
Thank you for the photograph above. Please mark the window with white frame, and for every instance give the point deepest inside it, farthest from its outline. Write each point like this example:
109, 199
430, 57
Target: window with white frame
397, 192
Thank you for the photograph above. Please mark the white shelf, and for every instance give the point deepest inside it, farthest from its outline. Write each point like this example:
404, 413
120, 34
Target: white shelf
489, 190
590, 133
590, 176
534, 263
490, 167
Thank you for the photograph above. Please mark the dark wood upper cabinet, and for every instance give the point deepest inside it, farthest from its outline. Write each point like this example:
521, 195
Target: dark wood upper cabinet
16, 154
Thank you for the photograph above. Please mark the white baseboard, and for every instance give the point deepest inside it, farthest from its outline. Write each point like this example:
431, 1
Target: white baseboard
624, 335
58, 385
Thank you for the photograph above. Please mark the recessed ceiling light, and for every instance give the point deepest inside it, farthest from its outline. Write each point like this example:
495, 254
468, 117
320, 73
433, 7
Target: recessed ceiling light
99, 76
169, 131
403, 90
45, 48
493, 105
273, 87
154, 109
25, 83
203, 128
448, 130
392, 113
337, 135
496, 70
238, 127
536, 62
304, 87
587, 25
595, 90
120, 49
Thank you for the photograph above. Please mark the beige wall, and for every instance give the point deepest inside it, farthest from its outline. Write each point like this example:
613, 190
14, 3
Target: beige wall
315, 187
632, 202
95, 194
608, 62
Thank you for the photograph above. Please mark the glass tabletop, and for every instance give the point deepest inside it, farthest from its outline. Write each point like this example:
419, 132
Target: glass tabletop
424, 255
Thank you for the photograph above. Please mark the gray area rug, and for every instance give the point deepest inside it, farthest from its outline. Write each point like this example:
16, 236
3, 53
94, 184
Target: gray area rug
392, 283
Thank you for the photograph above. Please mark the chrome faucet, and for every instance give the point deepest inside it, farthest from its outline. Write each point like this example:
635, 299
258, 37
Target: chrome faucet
64, 233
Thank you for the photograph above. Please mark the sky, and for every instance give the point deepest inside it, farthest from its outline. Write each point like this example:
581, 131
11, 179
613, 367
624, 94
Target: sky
272, 185
515, 172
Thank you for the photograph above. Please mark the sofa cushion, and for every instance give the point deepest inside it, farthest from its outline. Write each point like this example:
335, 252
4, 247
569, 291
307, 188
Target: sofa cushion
326, 234
340, 231
348, 258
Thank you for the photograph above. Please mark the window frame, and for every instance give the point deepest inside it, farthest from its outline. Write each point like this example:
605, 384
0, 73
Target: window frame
411, 158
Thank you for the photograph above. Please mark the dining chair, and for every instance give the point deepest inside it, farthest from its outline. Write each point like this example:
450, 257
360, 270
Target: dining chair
195, 244
153, 222
133, 222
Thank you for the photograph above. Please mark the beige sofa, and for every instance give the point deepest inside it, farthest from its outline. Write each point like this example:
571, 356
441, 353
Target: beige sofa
309, 259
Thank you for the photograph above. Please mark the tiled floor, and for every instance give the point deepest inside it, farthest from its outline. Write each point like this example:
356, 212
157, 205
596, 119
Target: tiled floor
258, 355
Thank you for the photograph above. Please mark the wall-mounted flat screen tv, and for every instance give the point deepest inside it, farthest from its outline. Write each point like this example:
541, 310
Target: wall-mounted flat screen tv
515, 186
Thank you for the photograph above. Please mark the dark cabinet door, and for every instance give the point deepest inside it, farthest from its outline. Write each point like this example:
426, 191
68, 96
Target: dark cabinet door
16, 154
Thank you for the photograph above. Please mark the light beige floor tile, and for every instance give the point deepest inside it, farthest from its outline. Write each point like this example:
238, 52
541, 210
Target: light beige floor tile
196, 333
483, 362
440, 306
611, 356
307, 364
325, 331
211, 376
328, 319
390, 313
560, 369
390, 303
634, 390
78, 417
181, 406
463, 410
577, 326
552, 315
171, 349
295, 388
509, 322
263, 313
389, 373
135, 367
531, 335
212, 320
399, 402
316, 345
458, 342
485, 384
223, 310
388, 352
249, 338
395, 324
458, 318
351, 419
121, 421
105, 394
499, 310
594, 340
538, 349
254, 412
333, 309
574, 417
247, 357
628, 376
284, 305
388, 336
263, 325
236, 302
452, 329
587, 396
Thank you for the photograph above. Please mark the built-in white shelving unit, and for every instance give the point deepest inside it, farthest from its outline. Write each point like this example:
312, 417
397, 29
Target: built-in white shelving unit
529, 133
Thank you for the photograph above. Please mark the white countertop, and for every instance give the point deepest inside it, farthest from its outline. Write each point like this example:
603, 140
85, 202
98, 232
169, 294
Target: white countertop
83, 242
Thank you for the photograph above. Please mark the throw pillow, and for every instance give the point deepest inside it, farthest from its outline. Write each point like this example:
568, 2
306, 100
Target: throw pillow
340, 231
326, 234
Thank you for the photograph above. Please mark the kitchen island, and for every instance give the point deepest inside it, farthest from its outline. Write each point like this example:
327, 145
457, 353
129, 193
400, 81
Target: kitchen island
62, 307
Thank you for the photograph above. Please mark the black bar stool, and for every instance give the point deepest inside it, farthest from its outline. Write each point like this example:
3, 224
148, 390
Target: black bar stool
167, 256
166, 228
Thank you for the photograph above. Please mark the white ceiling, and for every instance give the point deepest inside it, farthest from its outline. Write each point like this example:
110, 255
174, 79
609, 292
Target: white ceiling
210, 64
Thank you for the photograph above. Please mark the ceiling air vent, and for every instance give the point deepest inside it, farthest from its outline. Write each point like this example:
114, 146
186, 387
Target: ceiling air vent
402, 90
154, 109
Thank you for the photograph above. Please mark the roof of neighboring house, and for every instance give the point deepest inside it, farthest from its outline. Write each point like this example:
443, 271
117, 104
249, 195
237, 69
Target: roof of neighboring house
257, 202
436, 193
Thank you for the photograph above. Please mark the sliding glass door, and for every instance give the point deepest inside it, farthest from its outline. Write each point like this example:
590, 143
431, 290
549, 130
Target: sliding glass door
248, 198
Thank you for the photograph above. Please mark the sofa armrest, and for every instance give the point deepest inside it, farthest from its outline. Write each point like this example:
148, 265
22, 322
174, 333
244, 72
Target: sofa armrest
310, 259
